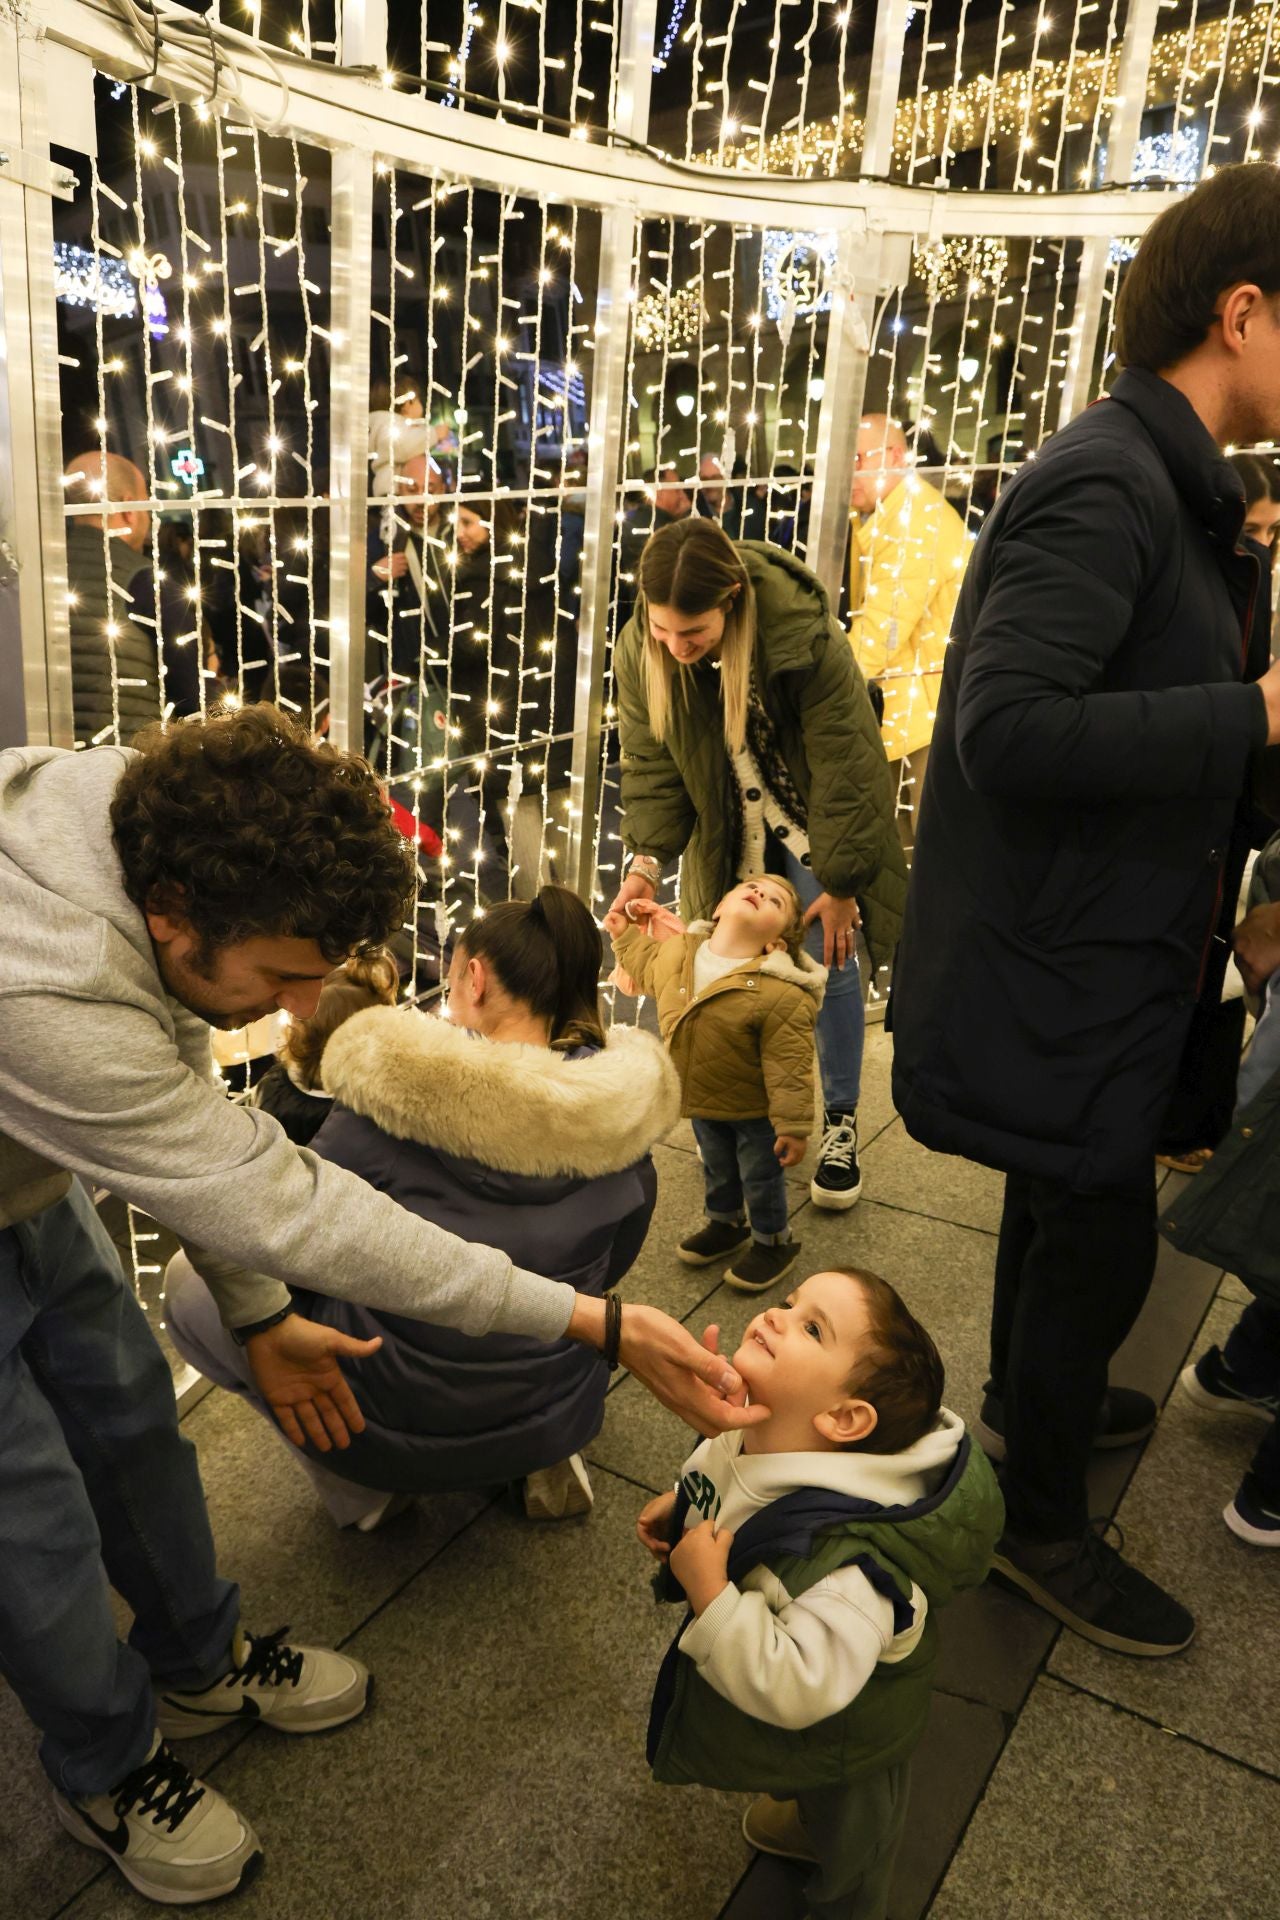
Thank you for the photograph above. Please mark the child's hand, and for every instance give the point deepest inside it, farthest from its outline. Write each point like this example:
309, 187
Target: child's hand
790, 1149
614, 923
654, 1524
699, 1561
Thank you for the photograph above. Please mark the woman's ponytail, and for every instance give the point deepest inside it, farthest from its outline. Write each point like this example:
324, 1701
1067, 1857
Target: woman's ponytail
546, 954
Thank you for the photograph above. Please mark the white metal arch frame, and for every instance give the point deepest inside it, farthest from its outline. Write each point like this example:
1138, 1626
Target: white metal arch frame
362, 124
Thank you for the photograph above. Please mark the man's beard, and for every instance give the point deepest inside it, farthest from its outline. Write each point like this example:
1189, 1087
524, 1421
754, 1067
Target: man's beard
201, 967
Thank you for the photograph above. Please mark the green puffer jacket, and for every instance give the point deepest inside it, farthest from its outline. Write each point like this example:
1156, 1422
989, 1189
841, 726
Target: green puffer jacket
944, 1544
678, 795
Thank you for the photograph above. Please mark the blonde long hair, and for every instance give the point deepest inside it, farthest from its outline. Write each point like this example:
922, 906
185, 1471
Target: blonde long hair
694, 567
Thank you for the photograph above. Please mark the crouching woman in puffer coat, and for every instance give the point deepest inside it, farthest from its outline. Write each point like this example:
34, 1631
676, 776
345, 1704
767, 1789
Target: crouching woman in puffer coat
515, 1122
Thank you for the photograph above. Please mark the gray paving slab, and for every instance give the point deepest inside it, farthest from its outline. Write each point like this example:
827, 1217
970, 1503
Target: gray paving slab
42, 1867
901, 1173
1092, 1814
500, 1771
1225, 1690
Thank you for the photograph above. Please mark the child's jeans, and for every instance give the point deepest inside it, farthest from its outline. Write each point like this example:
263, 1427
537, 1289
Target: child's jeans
1252, 1356
854, 1830
739, 1167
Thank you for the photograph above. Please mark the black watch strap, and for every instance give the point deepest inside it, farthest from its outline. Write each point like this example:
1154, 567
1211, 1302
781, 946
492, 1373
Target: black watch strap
241, 1334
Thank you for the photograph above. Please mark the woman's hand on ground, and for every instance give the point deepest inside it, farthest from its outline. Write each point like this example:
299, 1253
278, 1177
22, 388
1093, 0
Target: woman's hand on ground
295, 1364
840, 918
634, 887
688, 1376
700, 1562
790, 1149
653, 1524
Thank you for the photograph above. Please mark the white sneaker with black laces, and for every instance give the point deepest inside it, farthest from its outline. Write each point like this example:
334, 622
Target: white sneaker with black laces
173, 1837
295, 1689
837, 1179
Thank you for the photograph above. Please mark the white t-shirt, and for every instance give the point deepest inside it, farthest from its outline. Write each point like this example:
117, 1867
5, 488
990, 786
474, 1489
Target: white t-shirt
708, 966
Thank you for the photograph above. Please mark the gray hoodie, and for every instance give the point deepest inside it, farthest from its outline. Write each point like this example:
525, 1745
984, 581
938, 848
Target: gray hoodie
102, 1073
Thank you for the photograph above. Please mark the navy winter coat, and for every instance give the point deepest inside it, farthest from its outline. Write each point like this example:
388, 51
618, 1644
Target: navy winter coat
543, 1154
1085, 780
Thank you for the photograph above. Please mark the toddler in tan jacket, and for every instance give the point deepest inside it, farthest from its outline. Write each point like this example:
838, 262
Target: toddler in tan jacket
737, 999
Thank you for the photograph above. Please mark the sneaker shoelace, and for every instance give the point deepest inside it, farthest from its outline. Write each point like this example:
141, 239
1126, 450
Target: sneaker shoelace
161, 1787
840, 1143
269, 1659
1103, 1559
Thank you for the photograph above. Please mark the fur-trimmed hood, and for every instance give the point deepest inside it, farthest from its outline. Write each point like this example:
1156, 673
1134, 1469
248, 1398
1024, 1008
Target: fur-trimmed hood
517, 1109
804, 971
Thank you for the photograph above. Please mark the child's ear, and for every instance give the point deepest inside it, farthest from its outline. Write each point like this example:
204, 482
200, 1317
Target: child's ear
846, 1421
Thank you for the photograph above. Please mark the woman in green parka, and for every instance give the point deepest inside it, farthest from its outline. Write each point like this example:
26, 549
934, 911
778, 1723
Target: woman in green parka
749, 745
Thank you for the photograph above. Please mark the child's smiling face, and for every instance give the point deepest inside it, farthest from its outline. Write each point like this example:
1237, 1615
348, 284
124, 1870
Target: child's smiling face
796, 1357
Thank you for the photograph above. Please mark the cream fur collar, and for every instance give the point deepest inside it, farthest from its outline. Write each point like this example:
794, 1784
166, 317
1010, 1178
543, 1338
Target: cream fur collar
804, 972
511, 1107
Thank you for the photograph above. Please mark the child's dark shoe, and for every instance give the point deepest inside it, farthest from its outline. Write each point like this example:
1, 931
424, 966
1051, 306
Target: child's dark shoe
1215, 1389
775, 1826
1252, 1516
760, 1266
716, 1241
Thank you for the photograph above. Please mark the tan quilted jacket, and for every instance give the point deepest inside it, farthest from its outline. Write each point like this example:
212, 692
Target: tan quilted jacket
744, 1047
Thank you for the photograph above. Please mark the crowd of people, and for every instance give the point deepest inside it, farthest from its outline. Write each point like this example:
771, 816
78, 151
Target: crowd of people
417, 1284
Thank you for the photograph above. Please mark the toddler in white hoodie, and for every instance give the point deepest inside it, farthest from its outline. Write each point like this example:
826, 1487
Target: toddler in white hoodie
812, 1550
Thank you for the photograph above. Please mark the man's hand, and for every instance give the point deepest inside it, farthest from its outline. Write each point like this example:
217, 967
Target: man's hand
393, 566
700, 1561
1257, 944
839, 919
295, 1364
634, 887
688, 1377
654, 1524
790, 1149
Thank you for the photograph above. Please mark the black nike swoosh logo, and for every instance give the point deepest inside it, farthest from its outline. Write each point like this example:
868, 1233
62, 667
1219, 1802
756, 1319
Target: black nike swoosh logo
247, 1710
118, 1841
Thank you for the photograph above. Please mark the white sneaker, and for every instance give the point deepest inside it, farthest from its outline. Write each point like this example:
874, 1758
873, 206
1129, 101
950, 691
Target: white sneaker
296, 1689
559, 1492
388, 1508
173, 1837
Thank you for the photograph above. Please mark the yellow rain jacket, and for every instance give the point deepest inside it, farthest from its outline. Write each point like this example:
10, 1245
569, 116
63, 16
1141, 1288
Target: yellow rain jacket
906, 562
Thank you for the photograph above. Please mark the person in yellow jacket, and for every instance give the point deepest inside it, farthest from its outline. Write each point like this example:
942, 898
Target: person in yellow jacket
906, 561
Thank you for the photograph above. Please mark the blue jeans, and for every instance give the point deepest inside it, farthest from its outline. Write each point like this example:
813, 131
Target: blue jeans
96, 1485
1252, 1354
841, 1022
739, 1165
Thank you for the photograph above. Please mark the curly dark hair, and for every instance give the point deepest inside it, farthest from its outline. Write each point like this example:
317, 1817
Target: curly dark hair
241, 824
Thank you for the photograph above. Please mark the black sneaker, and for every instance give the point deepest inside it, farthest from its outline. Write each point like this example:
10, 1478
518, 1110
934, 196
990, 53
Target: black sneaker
716, 1241
762, 1264
1215, 1389
1252, 1515
1126, 1417
173, 1837
1087, 1585
837, 1179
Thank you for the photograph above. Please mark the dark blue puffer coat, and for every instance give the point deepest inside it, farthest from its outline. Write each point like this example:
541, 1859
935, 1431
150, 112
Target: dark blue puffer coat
543, 1154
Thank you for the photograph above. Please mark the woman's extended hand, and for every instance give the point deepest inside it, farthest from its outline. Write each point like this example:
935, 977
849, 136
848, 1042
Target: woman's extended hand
634, 887
840, 918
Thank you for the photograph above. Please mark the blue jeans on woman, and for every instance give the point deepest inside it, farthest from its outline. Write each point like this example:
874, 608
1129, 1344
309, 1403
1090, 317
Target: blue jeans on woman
741, 1171
96, 1485
841, 1022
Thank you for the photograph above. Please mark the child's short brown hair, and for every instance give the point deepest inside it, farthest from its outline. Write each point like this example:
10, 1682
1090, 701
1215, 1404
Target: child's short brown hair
900, 1374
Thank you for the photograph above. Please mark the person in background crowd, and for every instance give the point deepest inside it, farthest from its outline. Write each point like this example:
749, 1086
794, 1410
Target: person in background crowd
573, 512
185, 640
213, 877
516, 1119
398, 431
414, 596
115, 676
906, 561
749, 746
1205, 1095
1079, 857
710, 502
291, 1089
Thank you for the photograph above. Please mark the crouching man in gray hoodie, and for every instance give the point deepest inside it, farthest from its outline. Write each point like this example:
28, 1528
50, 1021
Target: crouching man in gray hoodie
209, 878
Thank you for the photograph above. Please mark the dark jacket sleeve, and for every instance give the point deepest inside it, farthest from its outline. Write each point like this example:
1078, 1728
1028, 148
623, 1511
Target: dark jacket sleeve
1068, 569
658, 815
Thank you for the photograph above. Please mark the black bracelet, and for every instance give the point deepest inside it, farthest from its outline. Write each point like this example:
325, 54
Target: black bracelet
242, 1334
612, 1329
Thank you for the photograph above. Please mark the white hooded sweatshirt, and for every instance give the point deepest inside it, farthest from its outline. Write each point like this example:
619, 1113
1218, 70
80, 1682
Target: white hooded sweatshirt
794, 1662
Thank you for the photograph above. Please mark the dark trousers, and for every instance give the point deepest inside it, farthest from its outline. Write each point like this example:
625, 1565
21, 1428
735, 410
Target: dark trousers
1252, 1355
1072, 1272
855, 1831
